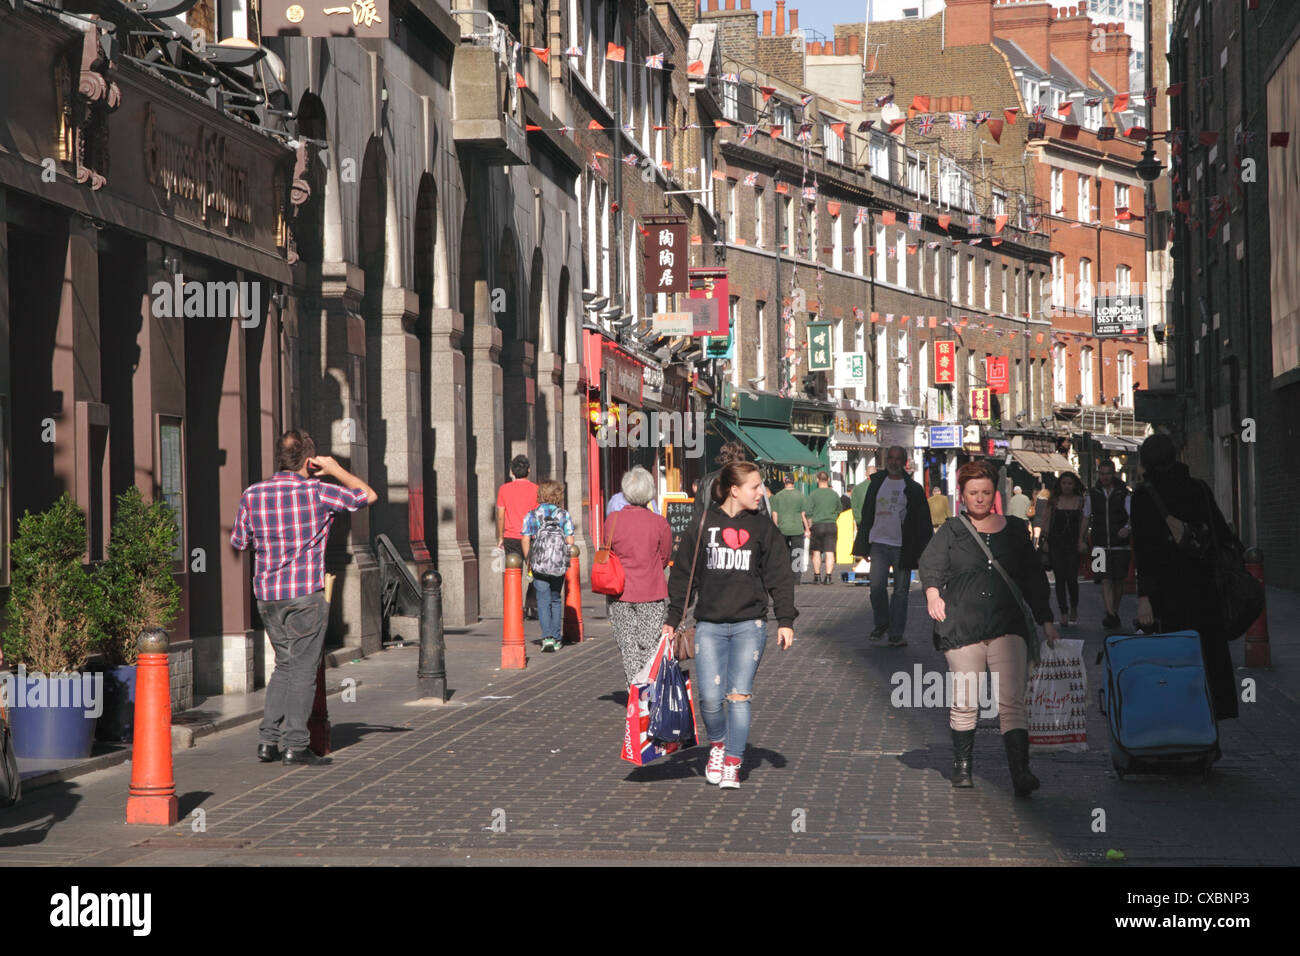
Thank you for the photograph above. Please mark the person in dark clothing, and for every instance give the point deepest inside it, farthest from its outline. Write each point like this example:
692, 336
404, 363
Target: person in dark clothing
979, 621
1105, 510
743, 561
1174, 586
894, 530
1065, 542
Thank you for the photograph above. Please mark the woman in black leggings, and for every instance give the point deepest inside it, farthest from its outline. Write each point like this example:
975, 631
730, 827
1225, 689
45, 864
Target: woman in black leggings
1065, 542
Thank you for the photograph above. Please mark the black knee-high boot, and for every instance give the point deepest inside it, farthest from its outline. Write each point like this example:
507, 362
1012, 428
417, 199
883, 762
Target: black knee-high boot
1017, 744
963, 761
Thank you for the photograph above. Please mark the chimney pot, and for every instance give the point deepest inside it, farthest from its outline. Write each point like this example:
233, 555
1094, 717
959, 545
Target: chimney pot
767, 23
854, 46
713, 5
794, 21
731, 4
840, 46
780, 18
744, 4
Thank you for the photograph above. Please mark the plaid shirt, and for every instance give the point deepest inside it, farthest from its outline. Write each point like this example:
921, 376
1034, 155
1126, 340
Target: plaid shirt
287, 519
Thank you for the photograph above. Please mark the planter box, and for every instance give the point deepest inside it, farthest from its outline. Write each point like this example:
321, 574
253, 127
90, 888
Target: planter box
53, 718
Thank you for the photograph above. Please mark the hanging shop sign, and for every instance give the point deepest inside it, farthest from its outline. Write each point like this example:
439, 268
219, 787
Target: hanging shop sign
652, 383
622, 375
851, 370
821, 358
1117, 316
945, 436
666, 256
945, 362
997, 372
707, 302
996, 447
300, 18
673, 323
979, 404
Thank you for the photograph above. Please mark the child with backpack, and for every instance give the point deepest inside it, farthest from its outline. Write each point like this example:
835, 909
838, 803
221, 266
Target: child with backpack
547, 533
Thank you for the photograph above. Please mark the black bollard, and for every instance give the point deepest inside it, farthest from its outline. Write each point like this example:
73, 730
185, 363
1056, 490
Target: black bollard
432, 671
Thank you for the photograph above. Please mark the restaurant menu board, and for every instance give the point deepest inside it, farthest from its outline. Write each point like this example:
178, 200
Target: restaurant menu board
678, 512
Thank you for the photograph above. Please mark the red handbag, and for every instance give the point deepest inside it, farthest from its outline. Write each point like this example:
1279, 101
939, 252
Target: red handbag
606, 568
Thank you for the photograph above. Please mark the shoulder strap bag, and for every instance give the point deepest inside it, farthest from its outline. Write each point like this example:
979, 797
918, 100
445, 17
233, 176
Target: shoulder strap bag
684, 637
11, 782
606, 568
1031, 635
1241, 595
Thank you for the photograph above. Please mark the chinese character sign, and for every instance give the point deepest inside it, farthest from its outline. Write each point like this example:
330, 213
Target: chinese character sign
359, 18
851, 370
996, 371
665, 257
979, 404
821, 357
945, 362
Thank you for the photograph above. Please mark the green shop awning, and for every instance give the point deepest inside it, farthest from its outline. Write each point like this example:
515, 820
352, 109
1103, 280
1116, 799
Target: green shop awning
772, 446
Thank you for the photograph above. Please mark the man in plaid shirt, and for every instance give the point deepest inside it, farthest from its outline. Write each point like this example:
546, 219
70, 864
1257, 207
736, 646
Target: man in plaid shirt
286, 519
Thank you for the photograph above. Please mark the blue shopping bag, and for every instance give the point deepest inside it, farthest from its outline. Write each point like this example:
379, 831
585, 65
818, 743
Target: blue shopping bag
671, 719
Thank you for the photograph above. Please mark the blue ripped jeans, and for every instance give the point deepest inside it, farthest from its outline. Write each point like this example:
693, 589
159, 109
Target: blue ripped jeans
726, 659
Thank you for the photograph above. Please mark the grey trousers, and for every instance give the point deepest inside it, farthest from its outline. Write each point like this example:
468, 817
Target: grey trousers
296, 629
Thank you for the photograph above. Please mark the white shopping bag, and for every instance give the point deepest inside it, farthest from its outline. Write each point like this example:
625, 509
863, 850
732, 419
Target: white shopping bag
1056, 698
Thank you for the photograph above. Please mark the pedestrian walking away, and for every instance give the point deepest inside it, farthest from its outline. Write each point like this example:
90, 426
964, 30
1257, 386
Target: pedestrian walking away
939, 509
545, 536
643, 543
744, 562
1019, 504
286, 520
1176, 585
1106, 511
514, 500
824, 508
981, 576
895, 529
790, 511
1040, 512
1065, 542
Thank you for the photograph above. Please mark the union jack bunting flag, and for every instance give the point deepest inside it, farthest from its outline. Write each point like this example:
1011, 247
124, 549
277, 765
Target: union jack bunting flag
982, 117
806, 99
751, 178
861, 216
1093, 101
1039, 112
933, 245
594, 165
730, 77
810, 193
805, 132
747, 133
926, 124
655, 61
630, 159
972, 242
957, 120
1031, 222
891, 252
976, 225
1105, 132
573, 51
914, 220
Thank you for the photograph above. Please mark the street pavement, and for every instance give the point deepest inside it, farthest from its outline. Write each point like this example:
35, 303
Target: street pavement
522, 767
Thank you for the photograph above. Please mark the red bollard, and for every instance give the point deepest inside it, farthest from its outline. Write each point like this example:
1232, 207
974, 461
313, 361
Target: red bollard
318, 724
152, 797
513, 656
1258, 652
573, 599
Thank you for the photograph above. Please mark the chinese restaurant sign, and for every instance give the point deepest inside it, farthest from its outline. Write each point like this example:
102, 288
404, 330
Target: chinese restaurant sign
708, 302
945, 363
820, 355
665, 257
998, 374
979, 404
325, 18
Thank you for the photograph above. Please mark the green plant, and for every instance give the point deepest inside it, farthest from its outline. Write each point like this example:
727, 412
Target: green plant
135, 588
53, 602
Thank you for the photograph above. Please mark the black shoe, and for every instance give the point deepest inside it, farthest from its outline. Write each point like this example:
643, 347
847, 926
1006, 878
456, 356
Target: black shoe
1017, 744
306, 757
963, 760
897, 640
878, 633
268, 753
1110, 620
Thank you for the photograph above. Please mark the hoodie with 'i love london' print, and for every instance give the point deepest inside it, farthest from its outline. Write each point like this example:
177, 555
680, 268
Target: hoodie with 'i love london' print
743, 561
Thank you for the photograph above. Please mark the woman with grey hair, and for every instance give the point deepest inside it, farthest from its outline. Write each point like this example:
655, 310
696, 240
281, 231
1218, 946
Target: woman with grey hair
644, 545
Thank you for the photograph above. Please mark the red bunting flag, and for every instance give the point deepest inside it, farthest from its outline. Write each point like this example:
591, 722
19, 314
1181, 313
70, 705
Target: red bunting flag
934, 321
1010, 114
594, 125
1038, 337
542, 53
839, 128
1138, 132
999, 221
943, 222
1066, 107
767, 92
721, 124
1120, 103
897, 124
1175, 90
695, 68
530, 128
615, 52
851, 102
875, 316
782, 188
995, 129
920, 104
887, 217
520, 81
833, 208
1208, 138
1282, 139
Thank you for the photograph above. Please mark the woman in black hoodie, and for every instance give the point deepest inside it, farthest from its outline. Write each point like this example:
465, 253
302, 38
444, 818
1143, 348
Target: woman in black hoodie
743, 559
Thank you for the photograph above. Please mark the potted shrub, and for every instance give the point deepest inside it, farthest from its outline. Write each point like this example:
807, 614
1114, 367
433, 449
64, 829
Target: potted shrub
51, 630
135, 590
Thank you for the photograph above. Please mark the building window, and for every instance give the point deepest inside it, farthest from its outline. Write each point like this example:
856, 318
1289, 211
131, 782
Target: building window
1125, 363
900, 253
954, 277
706, 168
882, 359
834, 145
970, 278
1015, 295
920, 266
904, 379
814, 243
1058, 192
1084, 280
858, 251
733, 315
999, 203
1122, 280
1085, 198
731, 99
783, 119
988, 286
1058, 282
881, 254
918, 175
860, 345
733, 216
923, 380
1085, 375
760, 205
1058, 375
880, 155
937, 291
1004, 290
837, 244
760, 340
1121, 205
787, 223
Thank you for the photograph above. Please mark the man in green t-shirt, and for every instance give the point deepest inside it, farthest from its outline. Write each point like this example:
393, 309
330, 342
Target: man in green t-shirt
790, 512
824, 504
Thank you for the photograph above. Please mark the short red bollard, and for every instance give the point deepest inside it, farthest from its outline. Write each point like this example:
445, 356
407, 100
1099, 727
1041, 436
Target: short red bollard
573, 599
1258, 652
513, 656
152, 799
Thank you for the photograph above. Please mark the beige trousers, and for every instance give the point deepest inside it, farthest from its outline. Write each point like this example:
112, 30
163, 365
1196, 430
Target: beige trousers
1006, 657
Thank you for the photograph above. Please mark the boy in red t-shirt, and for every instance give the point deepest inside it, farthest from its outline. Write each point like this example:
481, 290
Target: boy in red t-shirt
514, 500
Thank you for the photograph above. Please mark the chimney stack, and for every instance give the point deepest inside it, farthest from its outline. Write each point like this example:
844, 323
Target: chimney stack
854, 45
780, 18
968, 22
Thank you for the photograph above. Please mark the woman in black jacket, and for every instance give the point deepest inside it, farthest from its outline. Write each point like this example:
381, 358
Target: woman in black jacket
980, 622
1174, 586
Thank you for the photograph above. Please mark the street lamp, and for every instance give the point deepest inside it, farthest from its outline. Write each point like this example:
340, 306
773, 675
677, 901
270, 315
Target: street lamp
1148, 167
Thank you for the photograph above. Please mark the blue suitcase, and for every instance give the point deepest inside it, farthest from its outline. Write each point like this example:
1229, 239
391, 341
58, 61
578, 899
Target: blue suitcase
1159, 713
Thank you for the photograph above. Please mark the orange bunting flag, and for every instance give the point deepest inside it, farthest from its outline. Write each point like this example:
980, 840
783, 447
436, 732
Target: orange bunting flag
911, 250
530, 128
520, 81
839, 129
943, 222
920, 104
851, 102
721, 124
782, 188
1120, 103
997, 242
719, 174
697, 241
875, 316
542, 53
695, 68
594, 125
833, 208
995, 129
1066, 108
934, 321
1010, 114
1038, 337
999, 221
888, 217
897, 124
615, 52
767, 92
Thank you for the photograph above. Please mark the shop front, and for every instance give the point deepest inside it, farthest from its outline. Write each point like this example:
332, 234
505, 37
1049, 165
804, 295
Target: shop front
762, 424
854, 448
1035, 461
813, 424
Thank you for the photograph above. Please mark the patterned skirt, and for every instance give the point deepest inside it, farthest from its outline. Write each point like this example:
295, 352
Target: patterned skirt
636, 630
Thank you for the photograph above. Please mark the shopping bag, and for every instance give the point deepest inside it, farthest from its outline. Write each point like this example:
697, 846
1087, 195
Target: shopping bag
638, 746
1057, 699
671, 720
